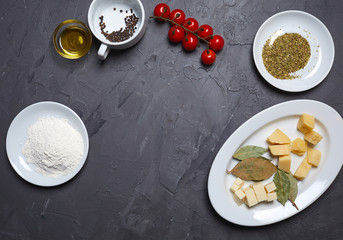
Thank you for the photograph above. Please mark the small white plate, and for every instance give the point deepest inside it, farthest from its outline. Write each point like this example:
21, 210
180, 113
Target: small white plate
319, 38
255, 132
17, 133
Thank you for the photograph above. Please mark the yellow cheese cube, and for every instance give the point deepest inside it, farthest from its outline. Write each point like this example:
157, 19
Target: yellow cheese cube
278, 137
239, 182
313, 137
234, 187
250, 196
303, 169
305, 123
285, 163
299, 147
271, 196
270, 187
260, 193
314, 156
279, 150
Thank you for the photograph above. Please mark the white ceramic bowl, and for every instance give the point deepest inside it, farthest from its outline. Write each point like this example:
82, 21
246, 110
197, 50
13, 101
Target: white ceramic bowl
114, 20
319, 38
17, 134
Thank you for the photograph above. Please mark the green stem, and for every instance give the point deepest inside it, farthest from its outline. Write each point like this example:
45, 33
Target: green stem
187, 30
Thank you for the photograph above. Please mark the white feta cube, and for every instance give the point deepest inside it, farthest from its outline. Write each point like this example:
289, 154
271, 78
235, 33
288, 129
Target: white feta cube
251, 199
260, 193
271, 196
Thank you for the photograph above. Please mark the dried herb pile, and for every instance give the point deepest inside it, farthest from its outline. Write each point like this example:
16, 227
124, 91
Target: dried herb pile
287, 54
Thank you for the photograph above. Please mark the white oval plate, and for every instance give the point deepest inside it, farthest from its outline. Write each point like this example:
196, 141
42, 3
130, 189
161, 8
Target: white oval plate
319, 38
17, 133
255, 132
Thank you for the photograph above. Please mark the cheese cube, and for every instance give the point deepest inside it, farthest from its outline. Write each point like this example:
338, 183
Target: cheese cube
259, 192
314, 156
305, 123
278, 137
239, 182
285, 163
239, 196
299, 147
279, 150
270, 187
234, 188
237, 200
303, 169
250, 196
313, 137
271, 196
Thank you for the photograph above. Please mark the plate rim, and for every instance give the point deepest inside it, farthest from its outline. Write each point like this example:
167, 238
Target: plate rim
77, 169
213, 178
266, 78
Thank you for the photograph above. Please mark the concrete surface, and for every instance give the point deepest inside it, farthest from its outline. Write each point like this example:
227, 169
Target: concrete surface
156, 118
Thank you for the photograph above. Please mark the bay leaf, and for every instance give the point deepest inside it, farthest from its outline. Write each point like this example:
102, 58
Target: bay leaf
256, 169
248, 152
282, 184
293, 192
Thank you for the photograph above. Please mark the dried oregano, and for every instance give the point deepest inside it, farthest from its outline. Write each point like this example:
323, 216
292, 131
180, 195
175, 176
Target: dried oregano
287, 54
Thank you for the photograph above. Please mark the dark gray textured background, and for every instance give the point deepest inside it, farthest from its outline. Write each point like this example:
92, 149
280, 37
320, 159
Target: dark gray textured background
156, 118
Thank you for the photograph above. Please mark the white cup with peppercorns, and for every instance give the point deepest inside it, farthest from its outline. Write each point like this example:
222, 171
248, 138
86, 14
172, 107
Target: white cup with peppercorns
118, 24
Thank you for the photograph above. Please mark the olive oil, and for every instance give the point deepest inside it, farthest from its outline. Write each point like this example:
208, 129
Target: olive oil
74, 41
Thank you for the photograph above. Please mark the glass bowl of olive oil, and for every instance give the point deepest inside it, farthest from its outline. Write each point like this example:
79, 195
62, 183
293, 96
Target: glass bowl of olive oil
72, 39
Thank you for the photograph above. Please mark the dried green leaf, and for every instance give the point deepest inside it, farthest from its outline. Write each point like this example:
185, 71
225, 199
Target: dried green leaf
293, 189
256, 169
282, 184
249, 151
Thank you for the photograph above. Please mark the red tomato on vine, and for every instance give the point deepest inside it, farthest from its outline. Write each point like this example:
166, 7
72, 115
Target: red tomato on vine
190, 42
191, 24
162, 10
205, 31
216, 43
176, 34
208, 57
178, 16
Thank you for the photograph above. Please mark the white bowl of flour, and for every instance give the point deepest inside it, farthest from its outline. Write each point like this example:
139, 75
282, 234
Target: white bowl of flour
47, 144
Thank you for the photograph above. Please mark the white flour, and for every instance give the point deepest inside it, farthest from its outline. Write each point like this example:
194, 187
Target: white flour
53, 146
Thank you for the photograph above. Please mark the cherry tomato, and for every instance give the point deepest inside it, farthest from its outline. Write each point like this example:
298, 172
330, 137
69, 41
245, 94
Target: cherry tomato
205, 31
163, 10
176, 34
190, 42
191, 24
208, 57
216, 43
178, 16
